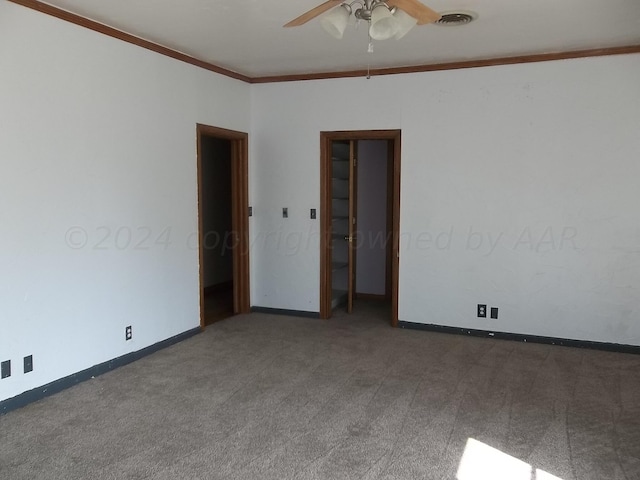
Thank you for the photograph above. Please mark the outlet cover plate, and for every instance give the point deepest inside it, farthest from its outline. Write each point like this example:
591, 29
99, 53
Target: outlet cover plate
5, 368
28, 364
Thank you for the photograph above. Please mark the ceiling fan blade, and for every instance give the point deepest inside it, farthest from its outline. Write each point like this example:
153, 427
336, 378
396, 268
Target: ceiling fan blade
417, 10
313, 13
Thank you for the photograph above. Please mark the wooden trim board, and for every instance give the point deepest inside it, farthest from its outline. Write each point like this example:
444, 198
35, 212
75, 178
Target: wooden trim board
239, 214
489, 62
127, 37
326, 138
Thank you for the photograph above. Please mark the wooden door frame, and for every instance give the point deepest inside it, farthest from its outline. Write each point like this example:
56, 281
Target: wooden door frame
239, 214
325, 212
388, 281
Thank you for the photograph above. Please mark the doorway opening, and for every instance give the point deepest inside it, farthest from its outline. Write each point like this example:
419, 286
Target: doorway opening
223, 225
359, 213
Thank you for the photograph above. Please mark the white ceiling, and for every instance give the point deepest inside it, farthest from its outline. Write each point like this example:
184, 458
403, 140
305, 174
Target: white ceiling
246, 36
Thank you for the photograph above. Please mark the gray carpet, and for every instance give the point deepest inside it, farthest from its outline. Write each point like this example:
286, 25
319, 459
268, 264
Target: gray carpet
268, 397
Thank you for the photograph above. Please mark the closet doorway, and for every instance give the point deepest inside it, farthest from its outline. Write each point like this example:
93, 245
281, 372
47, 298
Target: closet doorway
359, 215
223, 224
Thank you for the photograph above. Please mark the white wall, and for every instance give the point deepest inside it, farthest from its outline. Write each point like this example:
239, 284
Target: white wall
371, 217
97, 140
98, 136
499, 165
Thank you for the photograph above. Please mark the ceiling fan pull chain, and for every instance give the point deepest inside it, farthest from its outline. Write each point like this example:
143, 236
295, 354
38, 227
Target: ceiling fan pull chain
370, 50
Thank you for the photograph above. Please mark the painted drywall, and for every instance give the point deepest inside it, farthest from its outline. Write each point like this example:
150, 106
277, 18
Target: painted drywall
371, 240
98, 196
518, 190
217, 245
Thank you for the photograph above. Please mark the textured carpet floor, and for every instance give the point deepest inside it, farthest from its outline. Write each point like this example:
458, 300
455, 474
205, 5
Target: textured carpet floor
269, 397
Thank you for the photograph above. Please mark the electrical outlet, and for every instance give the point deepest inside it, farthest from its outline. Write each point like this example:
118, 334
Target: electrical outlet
128, 333
494, 312
28, 364
5, 369
285, 212
482, 311
313, 214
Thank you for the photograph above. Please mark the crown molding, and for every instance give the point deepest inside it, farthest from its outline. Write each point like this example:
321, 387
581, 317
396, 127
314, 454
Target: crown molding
491, 62
126, 37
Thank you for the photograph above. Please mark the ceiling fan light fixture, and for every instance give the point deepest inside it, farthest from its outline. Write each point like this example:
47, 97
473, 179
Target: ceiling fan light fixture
335, 22
383, 24
405, 22
385, 18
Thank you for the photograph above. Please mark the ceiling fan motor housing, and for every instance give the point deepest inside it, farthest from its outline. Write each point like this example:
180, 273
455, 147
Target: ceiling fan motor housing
366, 10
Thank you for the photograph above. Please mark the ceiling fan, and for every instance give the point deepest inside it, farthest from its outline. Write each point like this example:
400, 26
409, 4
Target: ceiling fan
386, 18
